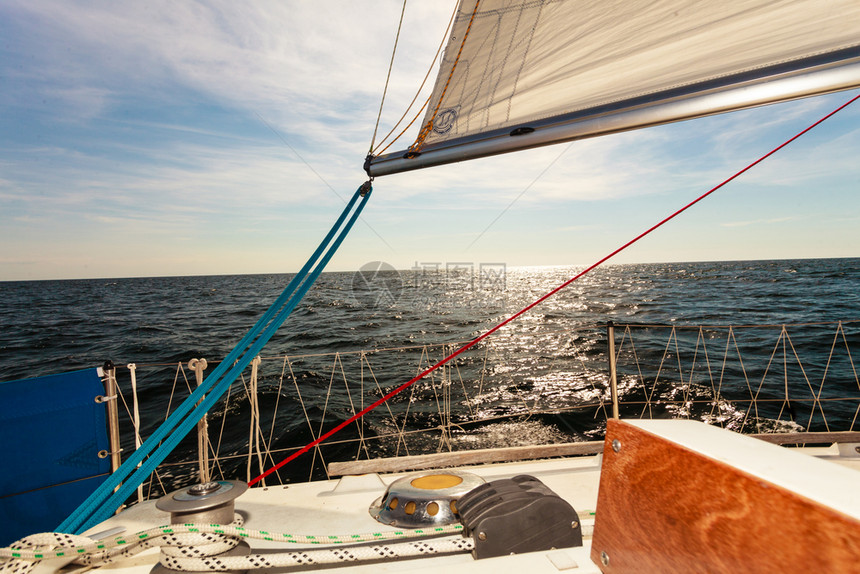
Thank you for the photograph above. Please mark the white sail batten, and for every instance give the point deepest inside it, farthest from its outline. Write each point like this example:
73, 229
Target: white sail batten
524, 73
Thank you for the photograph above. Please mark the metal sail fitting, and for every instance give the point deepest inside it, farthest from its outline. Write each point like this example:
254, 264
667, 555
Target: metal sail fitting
367, 161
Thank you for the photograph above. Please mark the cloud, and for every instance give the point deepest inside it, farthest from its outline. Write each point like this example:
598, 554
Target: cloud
303, 65
158, 120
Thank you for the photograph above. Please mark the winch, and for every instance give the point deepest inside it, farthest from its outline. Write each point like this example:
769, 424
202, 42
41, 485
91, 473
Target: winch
505, 516
206, 503
210, 503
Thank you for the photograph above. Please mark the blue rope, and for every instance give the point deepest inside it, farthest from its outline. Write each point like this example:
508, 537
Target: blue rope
100, 505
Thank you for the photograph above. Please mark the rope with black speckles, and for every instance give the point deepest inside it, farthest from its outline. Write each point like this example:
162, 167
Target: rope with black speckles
184, 543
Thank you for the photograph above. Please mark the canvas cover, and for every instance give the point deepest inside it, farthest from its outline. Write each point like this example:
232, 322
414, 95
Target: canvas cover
51, 431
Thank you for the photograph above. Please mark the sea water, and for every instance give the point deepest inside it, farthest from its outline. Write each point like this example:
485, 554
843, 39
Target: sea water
55, 326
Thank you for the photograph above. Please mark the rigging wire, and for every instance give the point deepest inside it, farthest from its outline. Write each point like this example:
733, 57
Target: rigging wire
316, 173
540, 300
298, 155
403, 131
388, 77
417, 114
517, 198
428, 125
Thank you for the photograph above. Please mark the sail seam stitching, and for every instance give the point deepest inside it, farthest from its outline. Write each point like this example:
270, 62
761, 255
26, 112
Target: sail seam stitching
425, 131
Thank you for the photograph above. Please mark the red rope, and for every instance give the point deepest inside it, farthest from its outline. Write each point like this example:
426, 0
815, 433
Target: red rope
480, 338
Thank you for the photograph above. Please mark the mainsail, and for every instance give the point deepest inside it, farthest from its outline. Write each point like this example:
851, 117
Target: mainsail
518, 74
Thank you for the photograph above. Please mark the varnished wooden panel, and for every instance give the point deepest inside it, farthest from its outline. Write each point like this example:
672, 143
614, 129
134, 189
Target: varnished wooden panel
666, 508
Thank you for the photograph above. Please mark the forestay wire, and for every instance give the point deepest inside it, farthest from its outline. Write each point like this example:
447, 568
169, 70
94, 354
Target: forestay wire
528, 308
101, 504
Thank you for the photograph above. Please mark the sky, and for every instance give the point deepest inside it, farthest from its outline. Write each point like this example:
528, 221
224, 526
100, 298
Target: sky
219, 137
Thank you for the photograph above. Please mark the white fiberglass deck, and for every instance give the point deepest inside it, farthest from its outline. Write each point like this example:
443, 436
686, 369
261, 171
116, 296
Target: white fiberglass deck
340, 507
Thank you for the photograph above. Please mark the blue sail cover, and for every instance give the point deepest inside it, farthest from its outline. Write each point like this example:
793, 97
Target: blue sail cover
51, 431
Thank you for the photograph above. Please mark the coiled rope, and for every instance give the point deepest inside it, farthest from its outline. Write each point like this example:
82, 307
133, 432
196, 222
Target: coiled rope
199, 547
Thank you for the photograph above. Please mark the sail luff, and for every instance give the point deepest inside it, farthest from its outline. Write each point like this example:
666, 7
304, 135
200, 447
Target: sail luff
535, 72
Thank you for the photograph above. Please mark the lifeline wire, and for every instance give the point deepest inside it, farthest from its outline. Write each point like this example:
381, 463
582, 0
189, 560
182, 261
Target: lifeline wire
101, 504
528, 308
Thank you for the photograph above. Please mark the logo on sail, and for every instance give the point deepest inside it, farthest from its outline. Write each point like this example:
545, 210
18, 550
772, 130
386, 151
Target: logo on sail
444, 121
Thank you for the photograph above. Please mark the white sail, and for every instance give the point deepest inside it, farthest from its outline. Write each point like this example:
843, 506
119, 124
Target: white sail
523, 73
